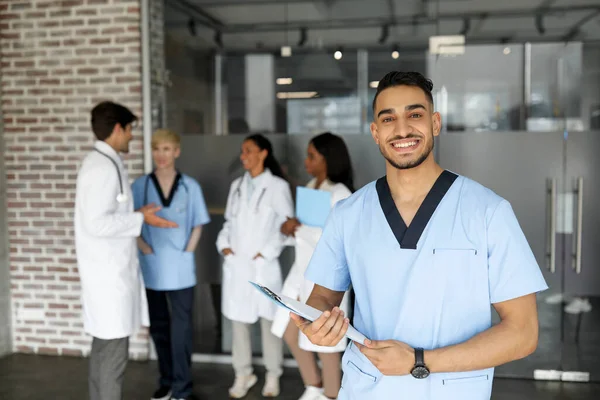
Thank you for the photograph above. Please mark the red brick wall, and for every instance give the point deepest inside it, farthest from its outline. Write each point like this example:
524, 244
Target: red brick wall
59, 58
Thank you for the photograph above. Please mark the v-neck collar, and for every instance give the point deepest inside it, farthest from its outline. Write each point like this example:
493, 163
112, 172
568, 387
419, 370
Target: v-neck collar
409, 237
166, 202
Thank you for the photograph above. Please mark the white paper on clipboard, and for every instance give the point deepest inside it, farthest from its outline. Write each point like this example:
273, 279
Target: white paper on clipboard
305, 311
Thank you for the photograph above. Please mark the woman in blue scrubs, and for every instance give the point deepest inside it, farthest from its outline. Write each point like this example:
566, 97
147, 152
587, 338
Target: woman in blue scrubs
167, 262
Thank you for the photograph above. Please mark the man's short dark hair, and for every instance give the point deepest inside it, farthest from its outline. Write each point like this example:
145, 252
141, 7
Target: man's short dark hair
400, 78
106, 115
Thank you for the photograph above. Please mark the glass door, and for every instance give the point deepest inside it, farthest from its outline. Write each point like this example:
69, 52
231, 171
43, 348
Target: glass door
481, 96
581, 353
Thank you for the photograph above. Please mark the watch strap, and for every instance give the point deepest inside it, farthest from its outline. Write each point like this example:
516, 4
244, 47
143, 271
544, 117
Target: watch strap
419, 357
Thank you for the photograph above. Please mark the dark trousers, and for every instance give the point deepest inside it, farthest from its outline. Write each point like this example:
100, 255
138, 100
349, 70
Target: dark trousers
108, 360
171, 330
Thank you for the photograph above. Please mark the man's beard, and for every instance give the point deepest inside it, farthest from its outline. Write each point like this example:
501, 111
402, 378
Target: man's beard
410, 163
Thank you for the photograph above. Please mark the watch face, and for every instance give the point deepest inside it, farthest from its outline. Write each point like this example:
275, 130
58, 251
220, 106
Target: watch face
420, 372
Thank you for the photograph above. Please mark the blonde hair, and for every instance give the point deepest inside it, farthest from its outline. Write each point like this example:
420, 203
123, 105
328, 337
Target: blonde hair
165, 135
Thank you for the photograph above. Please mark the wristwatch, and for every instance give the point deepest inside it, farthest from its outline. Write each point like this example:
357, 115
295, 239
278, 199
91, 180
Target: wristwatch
419, 371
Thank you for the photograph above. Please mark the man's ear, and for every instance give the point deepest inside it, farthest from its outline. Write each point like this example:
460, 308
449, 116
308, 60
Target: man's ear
437, 123
374, 132
117, 129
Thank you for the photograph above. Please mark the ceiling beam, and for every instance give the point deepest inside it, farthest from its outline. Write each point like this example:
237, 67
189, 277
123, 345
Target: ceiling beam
399, 21
575, 30
234, 3
544, 5
418, 46
198, 12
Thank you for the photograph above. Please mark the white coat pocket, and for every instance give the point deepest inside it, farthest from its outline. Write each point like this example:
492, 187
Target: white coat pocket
237, 300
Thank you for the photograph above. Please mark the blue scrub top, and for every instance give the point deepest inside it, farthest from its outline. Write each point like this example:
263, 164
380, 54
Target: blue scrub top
429, 285
170, 267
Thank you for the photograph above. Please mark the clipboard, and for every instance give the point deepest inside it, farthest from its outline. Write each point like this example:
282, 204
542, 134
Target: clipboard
305, 311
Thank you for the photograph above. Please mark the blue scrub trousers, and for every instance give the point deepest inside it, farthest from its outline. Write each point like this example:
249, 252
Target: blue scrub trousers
171, 330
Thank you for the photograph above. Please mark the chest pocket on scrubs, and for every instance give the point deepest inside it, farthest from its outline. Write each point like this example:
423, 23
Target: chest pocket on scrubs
454, 263
179, 208
461, 288
472, 385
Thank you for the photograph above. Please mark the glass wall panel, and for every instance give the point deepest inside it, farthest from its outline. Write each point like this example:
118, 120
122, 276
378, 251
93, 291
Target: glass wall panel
590, 86
553, 94
317, 92
303, 93
189, 82
480, 90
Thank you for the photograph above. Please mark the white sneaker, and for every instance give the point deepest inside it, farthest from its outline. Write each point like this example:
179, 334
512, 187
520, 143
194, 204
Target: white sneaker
555, 298
241, 386
271, 388
578, 305
312, 393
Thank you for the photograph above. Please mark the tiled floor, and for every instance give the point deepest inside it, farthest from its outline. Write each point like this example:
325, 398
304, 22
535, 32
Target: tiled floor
25, 377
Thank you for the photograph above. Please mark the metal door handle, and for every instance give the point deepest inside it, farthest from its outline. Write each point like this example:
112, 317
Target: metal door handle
551, 242
579, 226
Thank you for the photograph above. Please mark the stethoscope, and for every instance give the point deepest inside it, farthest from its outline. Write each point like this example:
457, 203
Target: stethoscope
180, 182
238, 193
121, 197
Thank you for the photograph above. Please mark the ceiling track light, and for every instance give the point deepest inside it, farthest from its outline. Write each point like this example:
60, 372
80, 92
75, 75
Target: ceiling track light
539, 24
303, 37
192, 27
396, 52
338, 54
466, 26
385, 33
218, 38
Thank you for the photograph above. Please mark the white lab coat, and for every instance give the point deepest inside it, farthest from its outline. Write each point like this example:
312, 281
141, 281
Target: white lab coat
114, 305
296, 286
252, 226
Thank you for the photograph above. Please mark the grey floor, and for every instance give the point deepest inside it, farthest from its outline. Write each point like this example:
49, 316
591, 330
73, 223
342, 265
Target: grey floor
29, 377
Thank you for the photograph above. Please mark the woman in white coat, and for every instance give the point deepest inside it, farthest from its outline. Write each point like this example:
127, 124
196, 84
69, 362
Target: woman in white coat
251, 242
328, 161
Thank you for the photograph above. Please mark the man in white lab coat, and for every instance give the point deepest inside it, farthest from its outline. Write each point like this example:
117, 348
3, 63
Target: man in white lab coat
106, 228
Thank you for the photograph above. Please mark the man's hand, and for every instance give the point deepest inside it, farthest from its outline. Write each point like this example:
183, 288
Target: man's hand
328, 330
227, 252
152, 219
288, 228
390, 357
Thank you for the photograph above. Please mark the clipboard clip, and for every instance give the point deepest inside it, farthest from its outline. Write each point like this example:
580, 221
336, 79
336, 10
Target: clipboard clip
269, 292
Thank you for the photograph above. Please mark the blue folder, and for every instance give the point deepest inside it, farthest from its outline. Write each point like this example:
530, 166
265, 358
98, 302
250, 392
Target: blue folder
312, 206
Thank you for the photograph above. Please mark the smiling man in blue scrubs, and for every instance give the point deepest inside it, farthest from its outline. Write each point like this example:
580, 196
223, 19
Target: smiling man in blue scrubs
426, 252
167, 261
